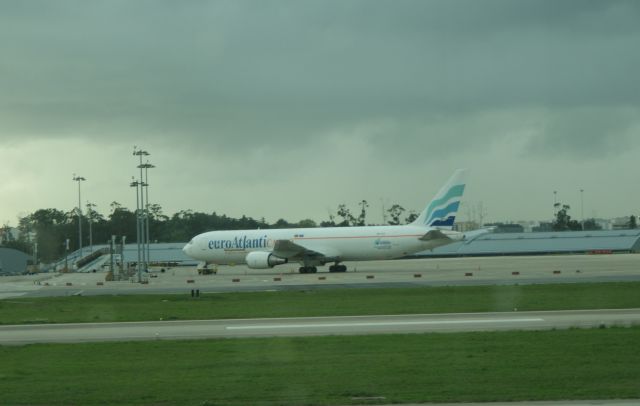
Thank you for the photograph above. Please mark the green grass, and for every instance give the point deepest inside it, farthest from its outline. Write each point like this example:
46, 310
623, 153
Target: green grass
334, 302
498, 366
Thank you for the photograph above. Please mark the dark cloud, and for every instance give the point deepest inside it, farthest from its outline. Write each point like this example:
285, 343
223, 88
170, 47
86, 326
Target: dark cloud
238, 74
585, 133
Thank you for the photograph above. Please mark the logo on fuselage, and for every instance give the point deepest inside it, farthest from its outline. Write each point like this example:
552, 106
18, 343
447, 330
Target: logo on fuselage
382, 244
241, 243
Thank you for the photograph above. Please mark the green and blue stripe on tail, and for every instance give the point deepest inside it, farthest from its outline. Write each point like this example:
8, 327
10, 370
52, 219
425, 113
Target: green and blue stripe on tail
442, 210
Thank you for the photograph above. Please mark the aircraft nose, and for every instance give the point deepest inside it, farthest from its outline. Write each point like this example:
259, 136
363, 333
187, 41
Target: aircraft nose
187, 248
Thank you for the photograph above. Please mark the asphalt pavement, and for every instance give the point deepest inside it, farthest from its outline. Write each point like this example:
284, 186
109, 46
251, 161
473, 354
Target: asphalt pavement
315, 326
398, 273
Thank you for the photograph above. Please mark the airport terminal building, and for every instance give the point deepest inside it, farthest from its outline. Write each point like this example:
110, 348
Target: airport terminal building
13, 262
565, 242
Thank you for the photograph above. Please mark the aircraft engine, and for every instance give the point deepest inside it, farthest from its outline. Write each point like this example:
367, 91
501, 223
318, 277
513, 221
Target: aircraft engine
263, 260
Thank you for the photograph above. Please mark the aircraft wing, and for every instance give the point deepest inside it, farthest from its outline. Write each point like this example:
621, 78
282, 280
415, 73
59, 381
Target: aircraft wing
295, 251
472, 235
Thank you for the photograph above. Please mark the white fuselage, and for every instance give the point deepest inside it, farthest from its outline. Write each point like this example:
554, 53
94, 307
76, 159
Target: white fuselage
338, 243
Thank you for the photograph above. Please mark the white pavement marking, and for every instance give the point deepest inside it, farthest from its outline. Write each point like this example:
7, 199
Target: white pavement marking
11, 294
378, 324
400, 324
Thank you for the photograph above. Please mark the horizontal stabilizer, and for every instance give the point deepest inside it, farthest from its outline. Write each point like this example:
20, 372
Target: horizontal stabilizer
472, 235
440, 235
433, 235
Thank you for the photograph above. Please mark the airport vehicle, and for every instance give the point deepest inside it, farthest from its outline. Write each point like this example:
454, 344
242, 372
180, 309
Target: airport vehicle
312, 247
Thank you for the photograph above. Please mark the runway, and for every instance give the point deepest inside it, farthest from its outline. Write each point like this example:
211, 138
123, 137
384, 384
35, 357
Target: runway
315, 326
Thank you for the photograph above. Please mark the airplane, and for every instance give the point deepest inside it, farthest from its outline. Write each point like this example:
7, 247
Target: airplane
313, 247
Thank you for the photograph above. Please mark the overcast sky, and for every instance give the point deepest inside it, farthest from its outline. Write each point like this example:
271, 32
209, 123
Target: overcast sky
285, 109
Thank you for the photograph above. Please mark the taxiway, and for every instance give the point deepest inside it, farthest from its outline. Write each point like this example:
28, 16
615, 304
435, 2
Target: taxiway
412, 272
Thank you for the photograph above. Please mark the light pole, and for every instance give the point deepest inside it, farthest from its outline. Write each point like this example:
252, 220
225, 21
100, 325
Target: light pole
136, 184
582, 207
111, 242
121, 265
79, 179
555, 203
66, 255
90, 207
147, 239
140, 153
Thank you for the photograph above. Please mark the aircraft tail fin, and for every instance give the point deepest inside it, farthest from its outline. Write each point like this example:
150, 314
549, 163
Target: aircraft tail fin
442, 210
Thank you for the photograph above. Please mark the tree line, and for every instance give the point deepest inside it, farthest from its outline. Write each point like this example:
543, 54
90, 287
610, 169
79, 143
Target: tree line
51, 228
564, 222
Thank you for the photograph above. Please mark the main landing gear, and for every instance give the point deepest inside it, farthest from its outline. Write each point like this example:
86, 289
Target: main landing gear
333, 268
308, 269
338, 268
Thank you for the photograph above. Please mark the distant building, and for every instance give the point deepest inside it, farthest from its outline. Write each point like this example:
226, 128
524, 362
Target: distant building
543, 227
506, 227
13, 262
463, 226
605, 224
8, 234
621, 223
527, 226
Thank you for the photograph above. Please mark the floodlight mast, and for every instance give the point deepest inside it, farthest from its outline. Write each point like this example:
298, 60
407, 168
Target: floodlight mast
146, 239
140, 218
79, 179
136, 184
582, 207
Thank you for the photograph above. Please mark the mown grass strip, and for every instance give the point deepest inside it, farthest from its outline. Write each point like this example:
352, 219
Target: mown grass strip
499, 366
334, 302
